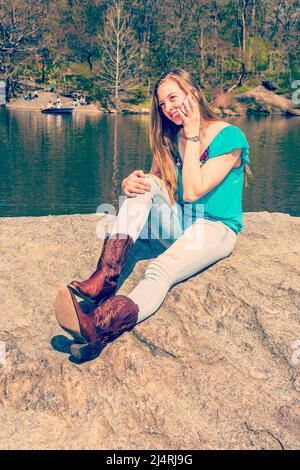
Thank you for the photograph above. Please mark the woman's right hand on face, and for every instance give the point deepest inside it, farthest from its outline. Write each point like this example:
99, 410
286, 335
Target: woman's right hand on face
135, 184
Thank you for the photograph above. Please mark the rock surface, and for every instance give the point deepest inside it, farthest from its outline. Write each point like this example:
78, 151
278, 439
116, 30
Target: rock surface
259, 99
217, 367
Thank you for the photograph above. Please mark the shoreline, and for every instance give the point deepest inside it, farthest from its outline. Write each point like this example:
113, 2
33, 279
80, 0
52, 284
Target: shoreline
100, 215
40, 103
92, 109
256, 101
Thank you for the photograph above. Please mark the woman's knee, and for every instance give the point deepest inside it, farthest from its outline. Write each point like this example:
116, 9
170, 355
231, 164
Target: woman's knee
155, 180
231, 241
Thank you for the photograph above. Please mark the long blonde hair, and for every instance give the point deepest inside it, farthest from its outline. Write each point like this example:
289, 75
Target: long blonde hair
163, 131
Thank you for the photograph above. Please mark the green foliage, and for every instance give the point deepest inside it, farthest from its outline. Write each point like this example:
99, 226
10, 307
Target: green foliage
141, 92
295, 70
55, 73
229, 64
261, 49
241, 89
281, 91
145, 103
64, 41
283, 86
208, 95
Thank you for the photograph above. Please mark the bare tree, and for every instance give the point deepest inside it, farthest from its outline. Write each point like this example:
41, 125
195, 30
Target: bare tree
120, 53
252, 29
20, 22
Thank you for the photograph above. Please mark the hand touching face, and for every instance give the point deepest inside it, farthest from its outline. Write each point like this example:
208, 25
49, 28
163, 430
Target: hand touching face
170, 98
176, 105
190, 115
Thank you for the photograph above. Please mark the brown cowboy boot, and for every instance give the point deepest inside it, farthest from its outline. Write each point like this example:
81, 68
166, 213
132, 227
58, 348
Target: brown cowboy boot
92, 332
103, 282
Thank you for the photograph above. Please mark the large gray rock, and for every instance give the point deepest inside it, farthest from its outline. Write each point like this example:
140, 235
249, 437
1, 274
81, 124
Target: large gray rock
259, 99
215, 367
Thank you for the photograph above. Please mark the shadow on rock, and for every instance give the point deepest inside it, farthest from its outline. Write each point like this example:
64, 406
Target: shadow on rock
143, 249
61, 344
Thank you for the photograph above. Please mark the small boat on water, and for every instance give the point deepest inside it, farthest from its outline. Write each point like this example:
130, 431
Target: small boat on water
293, 112
57, 110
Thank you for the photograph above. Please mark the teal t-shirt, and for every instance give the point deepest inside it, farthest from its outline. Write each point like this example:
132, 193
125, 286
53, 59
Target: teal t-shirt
224, 202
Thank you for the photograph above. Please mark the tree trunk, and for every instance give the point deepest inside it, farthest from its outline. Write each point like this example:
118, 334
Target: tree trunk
238, 30
142, 56
148, 88
201, 48
215, 43
271, 61
89, 61
240, 79
117, 65
244, 29
250, 66
43, 70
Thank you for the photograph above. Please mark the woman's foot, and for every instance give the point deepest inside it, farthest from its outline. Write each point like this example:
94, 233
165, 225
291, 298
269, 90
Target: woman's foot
93, 331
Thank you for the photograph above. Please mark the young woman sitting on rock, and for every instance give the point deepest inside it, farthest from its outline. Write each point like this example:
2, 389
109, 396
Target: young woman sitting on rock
193, 194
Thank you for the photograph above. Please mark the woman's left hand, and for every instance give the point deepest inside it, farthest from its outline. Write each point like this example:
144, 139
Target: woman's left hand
190, 114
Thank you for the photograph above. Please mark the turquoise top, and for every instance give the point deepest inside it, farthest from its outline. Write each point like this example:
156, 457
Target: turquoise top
224, 202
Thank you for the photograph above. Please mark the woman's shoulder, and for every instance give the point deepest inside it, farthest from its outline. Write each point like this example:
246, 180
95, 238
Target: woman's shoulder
229, 138
226, 127
229, 134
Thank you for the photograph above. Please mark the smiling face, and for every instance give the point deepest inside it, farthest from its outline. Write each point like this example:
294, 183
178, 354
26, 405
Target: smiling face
170, 96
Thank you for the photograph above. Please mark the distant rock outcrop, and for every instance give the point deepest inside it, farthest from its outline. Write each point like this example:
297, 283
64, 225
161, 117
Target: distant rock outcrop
217, 367
259, 99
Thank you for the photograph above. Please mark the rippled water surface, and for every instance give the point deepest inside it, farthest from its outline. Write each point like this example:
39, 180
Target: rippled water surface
71, 164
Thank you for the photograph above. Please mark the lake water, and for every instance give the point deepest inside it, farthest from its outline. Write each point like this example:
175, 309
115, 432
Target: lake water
72, 164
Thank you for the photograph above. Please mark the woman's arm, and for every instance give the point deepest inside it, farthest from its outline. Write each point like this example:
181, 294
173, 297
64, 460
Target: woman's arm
198, 181
135, 183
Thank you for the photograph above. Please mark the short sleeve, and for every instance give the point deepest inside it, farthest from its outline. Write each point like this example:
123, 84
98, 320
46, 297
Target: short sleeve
228, 139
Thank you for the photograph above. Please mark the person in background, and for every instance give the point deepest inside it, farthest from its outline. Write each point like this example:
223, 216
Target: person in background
76, 101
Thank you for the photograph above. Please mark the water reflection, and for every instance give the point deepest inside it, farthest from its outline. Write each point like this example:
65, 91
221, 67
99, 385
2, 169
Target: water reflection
275, 149
71, 164
115, 189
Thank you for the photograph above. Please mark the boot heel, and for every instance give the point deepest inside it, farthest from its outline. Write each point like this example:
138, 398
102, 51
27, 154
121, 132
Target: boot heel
87, 351
96, 300
80, 294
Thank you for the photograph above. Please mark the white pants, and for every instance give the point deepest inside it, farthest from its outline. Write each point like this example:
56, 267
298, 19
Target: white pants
191, 244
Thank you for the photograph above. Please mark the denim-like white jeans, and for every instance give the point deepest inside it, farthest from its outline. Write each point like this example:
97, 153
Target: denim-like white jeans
191, 244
